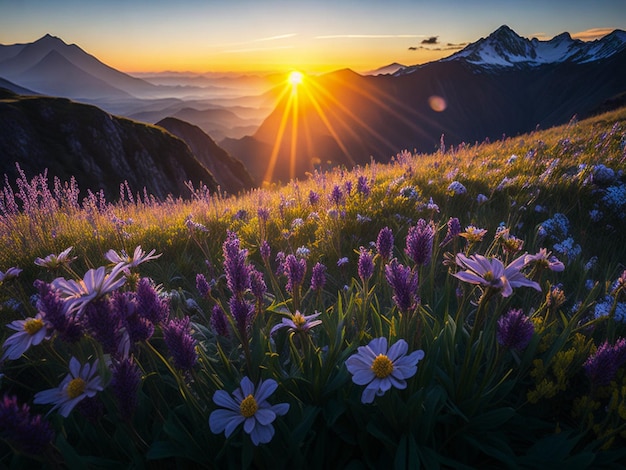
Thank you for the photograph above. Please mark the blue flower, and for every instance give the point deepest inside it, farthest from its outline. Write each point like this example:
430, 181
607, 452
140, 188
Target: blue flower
249, 407
380, 369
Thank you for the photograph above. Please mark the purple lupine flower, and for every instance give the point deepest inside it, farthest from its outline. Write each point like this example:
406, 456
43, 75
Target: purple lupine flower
53, 308
294, 269
242, 312
419, 242
280, 262
454, 230
137, 327
104, 324
25, 432
263, 213
265, 250
362, 185
180, 342
384, 244
314, 198
202, 285
125, 383
515, 330
150, 304
336, 196
219, 322
380, 369
257, 284
602, 366
235, 267
318, 277
365, 265
404, 283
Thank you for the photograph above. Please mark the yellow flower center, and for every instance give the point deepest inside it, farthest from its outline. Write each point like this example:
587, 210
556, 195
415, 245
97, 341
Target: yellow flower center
76, 387
298, 320
382, 366
488, 276
33, 325
248, 406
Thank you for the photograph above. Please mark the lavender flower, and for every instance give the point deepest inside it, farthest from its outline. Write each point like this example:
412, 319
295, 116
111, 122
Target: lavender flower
125, 383
314, 198
362, 185
235, 267
298, 322
294, 269
318, 277
150, 304
454, 230
265, 251
365, 265
515, 330
419, 242
257, 284
26, 432
404, 283
180, 342
81, 382
242, 312
249, 407
202, 285
53, 307
219, 322
336, 196
601, 367
492, 274
105, 325
380, 369
384, 244
29, 332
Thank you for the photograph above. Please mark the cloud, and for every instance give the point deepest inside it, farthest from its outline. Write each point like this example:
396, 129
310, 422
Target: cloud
431, 40
448, 47
593, 33
274, 38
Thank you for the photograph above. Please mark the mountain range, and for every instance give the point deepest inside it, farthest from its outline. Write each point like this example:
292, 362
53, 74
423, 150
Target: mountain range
500, 85
503, 84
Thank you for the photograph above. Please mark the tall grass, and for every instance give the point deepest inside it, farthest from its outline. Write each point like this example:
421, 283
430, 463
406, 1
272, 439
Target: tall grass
476, 399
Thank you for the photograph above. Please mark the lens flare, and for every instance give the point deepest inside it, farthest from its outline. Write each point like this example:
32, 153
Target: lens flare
295, 78
437, 103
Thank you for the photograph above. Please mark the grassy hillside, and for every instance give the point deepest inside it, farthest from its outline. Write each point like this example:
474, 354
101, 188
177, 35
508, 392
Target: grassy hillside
544, 384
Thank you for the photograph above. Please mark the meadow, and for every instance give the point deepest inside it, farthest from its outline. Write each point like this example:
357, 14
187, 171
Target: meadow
459, 309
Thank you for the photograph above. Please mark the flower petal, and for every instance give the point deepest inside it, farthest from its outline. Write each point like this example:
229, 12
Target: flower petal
222, 398
265, 416
262, 434
218, 420
398, 349
378, 345
363, 376
266, 388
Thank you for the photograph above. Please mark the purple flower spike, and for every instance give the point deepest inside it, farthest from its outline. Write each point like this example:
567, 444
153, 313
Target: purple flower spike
404, 283
366, 264
515, 330
26, 432
601, 367
419, 242
235, 267
219, 322
181, 344
384, 244
454, 230
125, 383
318, 277
295, 269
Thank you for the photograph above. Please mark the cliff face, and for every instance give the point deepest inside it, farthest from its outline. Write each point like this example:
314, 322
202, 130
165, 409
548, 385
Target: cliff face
229, 172
100, 150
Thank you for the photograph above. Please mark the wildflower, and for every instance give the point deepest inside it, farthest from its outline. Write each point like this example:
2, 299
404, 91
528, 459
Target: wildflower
26, 432
265, 250
314, 198
298, 322
380, 369
431, 206
53, 261
81, 382
218, 321
342, 261
202, 285
544, 259
235, 268
10, 273
303, 252
363, 219
257, 284
601, 367
362, 185
492, 274
54, 309
365, 265
294, 269
95, 284
481, 198
30, 332
473, 234
568, 248
150, 304
510, 243
263, 213
419, 242
180, 343
242, 312
318, 277
384, 243
619, 285
125, 383
515, 330
404, 283
555, 298
105, 325
455, 188
139, 256
249, 407
454, 230
336, 196
555, 228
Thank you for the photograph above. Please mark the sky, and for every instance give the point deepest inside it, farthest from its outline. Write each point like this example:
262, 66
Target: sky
276, 35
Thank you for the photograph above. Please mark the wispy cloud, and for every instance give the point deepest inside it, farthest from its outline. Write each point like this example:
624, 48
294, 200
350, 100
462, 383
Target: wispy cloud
254, 49
593, 33
369, 36
275, 38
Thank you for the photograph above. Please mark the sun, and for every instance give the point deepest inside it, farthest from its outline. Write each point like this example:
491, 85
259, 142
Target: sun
295, 78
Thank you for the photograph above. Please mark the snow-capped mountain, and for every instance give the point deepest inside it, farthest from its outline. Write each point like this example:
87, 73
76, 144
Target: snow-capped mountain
504, 49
